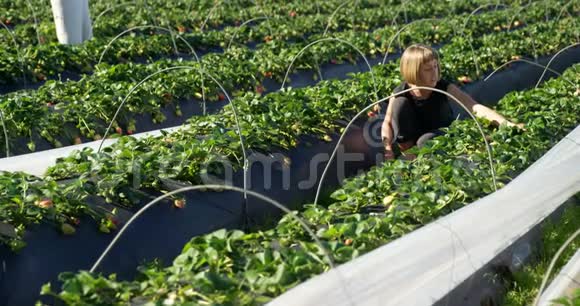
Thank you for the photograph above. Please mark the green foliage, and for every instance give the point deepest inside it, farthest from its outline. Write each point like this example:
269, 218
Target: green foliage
232, 267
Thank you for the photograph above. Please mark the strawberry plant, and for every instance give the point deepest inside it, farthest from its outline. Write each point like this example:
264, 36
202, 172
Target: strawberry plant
27, 200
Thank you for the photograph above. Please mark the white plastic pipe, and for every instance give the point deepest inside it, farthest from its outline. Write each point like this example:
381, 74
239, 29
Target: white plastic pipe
72, 20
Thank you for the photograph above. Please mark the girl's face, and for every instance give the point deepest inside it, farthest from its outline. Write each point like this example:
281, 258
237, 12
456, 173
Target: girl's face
429, 73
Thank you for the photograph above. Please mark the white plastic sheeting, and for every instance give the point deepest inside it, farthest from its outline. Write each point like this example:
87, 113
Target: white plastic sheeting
37, 163
564, 283
72, 21
422, 267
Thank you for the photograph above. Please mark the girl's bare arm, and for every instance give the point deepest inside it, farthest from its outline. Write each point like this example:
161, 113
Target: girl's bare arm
479, 110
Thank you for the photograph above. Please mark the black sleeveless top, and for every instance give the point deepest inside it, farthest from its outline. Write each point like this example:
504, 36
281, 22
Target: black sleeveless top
433, 112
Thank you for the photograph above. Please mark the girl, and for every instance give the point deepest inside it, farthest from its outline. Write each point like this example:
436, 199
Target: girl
415, 117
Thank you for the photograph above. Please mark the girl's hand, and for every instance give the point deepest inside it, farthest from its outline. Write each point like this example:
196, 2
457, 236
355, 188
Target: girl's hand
389, 154
520, 126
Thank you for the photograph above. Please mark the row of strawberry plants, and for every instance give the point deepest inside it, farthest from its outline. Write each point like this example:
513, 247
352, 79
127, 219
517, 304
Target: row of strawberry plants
355, 17
197, 15
180, 16
253, 268
275, 120
375, 43
292, 26
193, 13
84, 108
40, 62
524, 285
117, 21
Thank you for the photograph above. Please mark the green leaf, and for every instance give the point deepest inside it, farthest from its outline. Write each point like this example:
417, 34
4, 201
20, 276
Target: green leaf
339, 195
46, 289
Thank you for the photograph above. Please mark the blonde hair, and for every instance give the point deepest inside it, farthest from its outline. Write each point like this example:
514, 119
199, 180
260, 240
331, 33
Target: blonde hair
412, 59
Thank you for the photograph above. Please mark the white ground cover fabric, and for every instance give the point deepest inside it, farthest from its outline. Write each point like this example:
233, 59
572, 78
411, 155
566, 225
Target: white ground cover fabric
37, 163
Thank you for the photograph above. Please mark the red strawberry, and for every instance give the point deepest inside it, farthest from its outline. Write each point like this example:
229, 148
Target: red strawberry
221, 96
333, 61
112, 222
371, 114
119, 130
179, 203
267, 74
44, 203
181, 29
75, 221
260, 89
167, 97
292, 14
8, 21
464, 79
131, 127
49, 104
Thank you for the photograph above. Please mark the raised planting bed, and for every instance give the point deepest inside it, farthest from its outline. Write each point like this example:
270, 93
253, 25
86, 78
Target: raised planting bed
159, 38
367, 212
